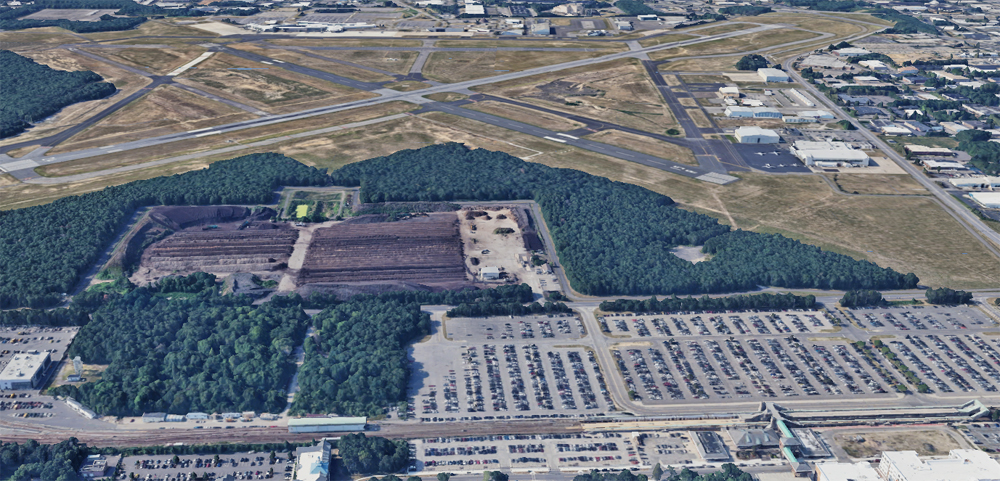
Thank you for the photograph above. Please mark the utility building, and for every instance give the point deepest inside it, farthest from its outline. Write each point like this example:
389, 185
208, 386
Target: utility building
756, 135
25, 371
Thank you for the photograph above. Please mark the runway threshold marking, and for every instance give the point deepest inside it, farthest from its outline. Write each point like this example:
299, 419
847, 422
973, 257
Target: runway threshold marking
561, 141
569, 136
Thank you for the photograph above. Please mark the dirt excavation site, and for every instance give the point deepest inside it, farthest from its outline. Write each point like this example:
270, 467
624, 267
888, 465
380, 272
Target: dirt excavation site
257, 254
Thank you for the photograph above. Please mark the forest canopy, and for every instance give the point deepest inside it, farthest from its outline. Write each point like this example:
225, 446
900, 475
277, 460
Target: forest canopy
209, 353
613, 238
32, 91
45, 248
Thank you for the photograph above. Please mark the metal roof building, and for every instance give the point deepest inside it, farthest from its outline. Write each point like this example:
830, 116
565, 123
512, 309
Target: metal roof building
961, 464
990, 200
773, 75
24, 371
829, 153
325, 425
756, 135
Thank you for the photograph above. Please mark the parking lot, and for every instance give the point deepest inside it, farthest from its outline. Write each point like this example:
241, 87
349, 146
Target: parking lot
566, 452
527, 328
240, 466
985, 436
745, 356
54, 340
507, 368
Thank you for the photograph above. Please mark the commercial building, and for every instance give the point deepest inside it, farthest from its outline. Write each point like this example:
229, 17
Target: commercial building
623, 25
475, 10
647, 18
802, 98
94, 467
817, 114
961, 465
745, 439
939, 166
81, 409
756, 135
326, 425
862, 471
752, 112
313, 464
829, 154
772, 75
924, 151
989, 200
25, 371
977, 182
875, 65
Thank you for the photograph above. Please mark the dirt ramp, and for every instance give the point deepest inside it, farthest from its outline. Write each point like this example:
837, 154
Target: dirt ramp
182, 217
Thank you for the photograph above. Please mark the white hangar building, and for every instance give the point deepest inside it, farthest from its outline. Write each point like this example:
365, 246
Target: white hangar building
756, 135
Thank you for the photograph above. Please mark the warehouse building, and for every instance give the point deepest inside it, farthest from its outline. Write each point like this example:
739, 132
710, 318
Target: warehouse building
829, 154
939, 166
739, 112
989, 200
875, 65
851, 52
25, 371
326, 425
756, 135
730, 92
961, 464
977, 182
773, 75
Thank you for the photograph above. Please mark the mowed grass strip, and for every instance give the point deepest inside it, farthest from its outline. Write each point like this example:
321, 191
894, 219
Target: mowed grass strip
451, 67
537, 118
395, 61
297, 58
267, 87
645, 145
171, 149
740, 43
166, 109
160, 61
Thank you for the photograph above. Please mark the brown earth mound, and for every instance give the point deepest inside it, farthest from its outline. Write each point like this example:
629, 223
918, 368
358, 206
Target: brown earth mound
246, 250
427, 250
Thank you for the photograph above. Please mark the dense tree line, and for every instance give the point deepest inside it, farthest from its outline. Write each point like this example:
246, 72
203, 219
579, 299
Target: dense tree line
71, 316
827, 5
634, 7
705, 303
356, 364
985, 154
209, 353
623, 475
745, 10
729, 472
751, 62
197, 282
862, 298
373, 455
948, 296
45, 248
613, 238
32, 91
11, 20
31, 460
904, 24
490, 308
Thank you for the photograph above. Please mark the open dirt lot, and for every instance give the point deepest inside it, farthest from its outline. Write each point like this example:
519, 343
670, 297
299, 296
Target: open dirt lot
485, 247
925, 443
740, 43
425, 249
165, 110
274, 90
645, 145
619, 92
315, 63
452, 67
159, 61
534, 117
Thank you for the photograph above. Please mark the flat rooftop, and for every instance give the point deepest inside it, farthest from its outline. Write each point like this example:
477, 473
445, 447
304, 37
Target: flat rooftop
23, 366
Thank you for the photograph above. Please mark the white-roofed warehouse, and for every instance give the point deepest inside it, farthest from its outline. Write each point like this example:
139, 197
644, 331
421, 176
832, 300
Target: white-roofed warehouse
756, 135
326, 425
